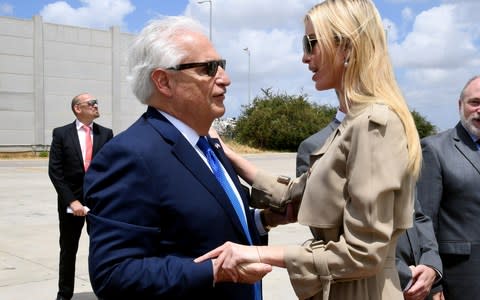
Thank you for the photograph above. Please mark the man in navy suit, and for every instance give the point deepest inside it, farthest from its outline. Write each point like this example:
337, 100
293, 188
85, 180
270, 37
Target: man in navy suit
155, 201
68, 160
417, 260
449, 191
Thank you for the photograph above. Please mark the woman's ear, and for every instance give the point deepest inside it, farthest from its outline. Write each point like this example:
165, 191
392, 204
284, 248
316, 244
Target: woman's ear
162, 81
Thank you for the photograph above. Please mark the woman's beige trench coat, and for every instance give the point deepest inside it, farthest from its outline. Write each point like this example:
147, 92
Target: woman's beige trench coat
358, 198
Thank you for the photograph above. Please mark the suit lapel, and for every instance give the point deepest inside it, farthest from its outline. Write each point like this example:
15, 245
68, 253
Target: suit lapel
97, 139
466, 146
73, 135
187, 155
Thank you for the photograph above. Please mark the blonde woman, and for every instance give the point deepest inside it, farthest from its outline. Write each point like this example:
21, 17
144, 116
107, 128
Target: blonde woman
358, 196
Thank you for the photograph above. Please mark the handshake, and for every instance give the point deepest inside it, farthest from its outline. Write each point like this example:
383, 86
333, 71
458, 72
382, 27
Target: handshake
237, 263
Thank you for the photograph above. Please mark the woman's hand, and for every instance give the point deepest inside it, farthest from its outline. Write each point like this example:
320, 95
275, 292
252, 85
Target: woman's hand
244, 168
237, 263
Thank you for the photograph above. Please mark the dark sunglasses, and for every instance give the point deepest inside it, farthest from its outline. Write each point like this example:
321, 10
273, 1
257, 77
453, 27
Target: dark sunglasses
212, 66
92, 102
308, 43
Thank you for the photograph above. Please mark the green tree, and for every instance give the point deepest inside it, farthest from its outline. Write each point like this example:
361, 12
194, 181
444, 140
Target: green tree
277, 121
424, 127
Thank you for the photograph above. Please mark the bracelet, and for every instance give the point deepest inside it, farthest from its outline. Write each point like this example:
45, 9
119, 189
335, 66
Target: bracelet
258, 252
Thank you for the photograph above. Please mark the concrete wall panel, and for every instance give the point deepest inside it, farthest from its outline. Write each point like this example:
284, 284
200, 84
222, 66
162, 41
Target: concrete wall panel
16, 45
16, 83
15, 64
77, 35
16, 27
16, 137
75, 52
16, 101
77, 70
74, 86
18, 121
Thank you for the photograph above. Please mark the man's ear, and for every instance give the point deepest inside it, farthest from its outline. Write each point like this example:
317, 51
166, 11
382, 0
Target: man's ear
76, 109
162, 81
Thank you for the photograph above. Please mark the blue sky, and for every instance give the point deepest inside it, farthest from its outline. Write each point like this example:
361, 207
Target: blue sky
435, 45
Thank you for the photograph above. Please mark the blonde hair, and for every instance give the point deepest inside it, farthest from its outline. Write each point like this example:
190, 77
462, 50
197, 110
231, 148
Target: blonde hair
355, 26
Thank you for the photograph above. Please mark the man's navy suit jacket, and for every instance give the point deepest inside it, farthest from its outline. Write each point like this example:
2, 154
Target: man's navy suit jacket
155, 206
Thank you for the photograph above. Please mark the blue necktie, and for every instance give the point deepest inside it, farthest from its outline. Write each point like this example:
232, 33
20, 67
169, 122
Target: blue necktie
222, 179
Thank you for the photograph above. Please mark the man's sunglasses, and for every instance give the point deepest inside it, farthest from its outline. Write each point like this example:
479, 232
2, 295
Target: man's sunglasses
212, 66
92, 102
308, 43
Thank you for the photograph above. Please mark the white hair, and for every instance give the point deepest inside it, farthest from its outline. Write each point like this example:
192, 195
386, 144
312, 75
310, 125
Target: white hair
155, 48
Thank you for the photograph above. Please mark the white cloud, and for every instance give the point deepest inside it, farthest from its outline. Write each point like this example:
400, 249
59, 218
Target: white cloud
407, 14
6, 9
437, 40
436, 58
92, 13
264, 14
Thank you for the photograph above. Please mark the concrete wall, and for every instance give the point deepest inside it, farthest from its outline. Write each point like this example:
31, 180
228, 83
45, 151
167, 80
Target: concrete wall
43, 65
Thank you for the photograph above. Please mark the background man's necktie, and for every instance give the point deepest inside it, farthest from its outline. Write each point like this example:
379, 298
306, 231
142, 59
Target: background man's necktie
88, 147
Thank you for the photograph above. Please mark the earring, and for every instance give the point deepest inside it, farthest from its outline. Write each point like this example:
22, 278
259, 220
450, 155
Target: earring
345, 63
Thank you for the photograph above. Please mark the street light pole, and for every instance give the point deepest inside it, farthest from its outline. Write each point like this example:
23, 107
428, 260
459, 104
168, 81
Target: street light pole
210, 3
248, 52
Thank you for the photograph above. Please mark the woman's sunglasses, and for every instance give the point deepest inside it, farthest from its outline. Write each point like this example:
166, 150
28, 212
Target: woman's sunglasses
309, 42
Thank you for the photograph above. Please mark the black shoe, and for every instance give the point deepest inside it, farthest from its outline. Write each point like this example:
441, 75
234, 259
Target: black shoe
62, 298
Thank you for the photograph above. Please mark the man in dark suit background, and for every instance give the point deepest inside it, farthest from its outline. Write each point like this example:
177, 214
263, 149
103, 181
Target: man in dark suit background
448, 189
155, 201
69, 158
417, 260
311, 143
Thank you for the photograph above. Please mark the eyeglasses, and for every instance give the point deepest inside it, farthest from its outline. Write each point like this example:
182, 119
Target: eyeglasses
308, 43
92, 102
212, 66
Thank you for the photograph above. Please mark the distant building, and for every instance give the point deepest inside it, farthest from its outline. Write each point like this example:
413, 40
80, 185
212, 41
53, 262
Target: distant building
224, 125
43, 65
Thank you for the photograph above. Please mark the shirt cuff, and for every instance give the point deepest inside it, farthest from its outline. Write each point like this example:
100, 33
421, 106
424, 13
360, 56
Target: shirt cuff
258, 223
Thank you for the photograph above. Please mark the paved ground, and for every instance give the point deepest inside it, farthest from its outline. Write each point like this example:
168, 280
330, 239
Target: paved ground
29, 233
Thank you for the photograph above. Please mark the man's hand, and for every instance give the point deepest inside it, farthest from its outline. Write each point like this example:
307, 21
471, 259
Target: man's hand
246, 273
438, 296
272, 218
423, 278
78, 209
